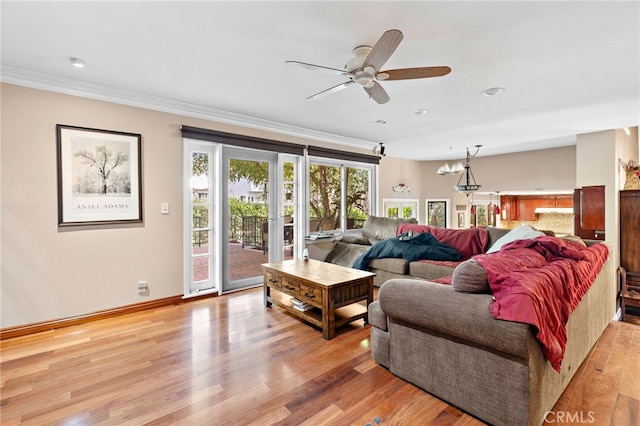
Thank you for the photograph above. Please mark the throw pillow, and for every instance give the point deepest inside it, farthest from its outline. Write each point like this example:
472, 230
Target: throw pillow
522, 232
470, 277
573, 238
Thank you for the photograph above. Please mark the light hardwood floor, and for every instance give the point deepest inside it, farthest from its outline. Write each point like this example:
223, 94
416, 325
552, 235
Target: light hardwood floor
230, 360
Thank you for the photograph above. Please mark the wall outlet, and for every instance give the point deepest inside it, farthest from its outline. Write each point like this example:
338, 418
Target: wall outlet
143, 287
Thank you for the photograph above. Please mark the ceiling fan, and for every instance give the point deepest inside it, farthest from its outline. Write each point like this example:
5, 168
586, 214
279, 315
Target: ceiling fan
364, 68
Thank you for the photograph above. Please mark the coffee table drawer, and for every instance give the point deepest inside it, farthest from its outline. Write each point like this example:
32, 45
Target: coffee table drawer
290, 286
310, 294
274, 280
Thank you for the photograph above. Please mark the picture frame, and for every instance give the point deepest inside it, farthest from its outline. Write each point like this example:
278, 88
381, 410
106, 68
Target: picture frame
99, 176
460, 220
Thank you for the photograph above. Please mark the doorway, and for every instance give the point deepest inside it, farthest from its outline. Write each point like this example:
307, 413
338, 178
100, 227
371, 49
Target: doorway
240, 207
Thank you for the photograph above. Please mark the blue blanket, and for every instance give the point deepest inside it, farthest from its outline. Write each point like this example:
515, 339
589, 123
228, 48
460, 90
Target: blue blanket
422, 246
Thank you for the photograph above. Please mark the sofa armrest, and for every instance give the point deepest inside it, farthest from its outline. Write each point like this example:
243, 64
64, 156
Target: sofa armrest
377, 318
438, 307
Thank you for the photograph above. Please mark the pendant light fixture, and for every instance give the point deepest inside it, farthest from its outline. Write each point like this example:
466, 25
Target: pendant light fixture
469, 185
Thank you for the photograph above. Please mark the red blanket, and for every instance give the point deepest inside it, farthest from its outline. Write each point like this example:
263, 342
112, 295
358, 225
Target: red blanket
540, 282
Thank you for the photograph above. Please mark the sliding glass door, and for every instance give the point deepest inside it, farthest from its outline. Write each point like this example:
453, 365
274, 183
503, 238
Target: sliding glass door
240, 209
249, 214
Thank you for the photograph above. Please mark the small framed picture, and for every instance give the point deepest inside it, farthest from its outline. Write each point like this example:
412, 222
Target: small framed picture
99, 176
460, 220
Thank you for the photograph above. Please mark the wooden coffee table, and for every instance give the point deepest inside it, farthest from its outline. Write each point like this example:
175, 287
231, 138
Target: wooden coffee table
335, 294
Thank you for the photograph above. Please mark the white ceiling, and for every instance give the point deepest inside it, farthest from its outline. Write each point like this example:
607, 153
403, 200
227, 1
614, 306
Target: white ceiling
567, 67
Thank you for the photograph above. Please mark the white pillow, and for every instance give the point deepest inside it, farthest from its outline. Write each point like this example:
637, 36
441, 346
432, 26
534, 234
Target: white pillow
522, 232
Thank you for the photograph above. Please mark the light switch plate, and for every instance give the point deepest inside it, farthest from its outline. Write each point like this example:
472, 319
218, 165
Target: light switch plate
164, 208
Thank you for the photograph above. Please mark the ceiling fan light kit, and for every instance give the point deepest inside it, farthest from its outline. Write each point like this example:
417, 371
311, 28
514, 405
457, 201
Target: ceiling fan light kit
363, 68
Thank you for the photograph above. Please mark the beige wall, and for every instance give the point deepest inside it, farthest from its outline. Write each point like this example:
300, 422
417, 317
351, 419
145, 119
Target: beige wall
50, 273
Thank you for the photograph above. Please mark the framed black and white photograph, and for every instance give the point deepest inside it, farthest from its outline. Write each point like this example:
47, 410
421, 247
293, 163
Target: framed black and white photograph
460, 220
99, 176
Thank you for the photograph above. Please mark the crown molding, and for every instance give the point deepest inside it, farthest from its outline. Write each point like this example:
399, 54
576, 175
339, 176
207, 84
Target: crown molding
52, 83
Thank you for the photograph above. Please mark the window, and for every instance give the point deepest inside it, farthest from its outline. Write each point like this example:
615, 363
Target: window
357, 197
400, 208
481, 214
325, 189
438, 213
340, 196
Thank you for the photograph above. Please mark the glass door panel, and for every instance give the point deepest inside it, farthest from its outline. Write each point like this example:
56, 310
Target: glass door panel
249, 223
289, 197
199, 259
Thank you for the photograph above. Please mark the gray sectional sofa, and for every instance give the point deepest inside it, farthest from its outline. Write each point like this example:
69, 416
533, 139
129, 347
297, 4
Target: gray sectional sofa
447, 341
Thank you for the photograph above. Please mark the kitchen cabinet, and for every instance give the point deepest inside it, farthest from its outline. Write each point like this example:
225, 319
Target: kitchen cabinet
509, 207
589, 212
523, 207
564, 201
527, 209
545, 201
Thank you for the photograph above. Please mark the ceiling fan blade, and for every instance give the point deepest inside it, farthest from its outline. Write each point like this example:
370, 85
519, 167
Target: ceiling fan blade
377, 93
330, 90
383, 49
409, 73
320, 68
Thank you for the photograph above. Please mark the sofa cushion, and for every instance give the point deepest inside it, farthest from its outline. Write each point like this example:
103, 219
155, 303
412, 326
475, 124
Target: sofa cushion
377, 228
495, 234
522, 232
431, 269
344, 254
470, 277
468, 242
396, 266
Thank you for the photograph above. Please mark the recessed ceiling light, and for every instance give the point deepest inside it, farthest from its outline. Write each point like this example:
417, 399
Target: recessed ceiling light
492, 91
76, 62
381, 122
419, 111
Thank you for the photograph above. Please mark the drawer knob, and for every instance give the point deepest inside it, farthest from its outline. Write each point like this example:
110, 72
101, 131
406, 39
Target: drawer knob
310, 296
